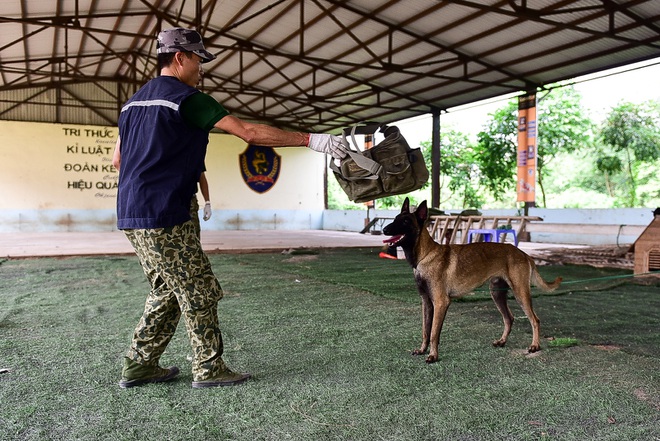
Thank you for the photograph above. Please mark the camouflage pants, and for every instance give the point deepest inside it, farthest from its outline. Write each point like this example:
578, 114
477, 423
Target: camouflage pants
194, 214
182, 284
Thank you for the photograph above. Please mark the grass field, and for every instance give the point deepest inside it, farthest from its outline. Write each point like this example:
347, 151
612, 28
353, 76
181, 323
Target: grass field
328, 337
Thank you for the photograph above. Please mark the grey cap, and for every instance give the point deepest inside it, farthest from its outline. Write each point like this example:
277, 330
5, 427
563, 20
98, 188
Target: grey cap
182, 40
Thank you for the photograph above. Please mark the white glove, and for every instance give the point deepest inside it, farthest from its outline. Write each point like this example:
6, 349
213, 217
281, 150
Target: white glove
207, 211
330, 144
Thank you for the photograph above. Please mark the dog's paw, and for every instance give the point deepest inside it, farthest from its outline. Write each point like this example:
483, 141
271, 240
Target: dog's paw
418, 352
499, 343
533, 348
431, 359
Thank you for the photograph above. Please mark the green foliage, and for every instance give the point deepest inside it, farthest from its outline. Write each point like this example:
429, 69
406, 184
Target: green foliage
563, 342
576, 169
496, 151
631, 140
562, 127
574, 181
635, 128
563, 124
609, 164
459, 172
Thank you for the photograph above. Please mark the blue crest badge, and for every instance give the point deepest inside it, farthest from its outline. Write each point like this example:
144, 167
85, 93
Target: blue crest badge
260, 167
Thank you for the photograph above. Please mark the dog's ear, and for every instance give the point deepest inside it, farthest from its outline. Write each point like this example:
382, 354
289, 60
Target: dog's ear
406, 206
422, 212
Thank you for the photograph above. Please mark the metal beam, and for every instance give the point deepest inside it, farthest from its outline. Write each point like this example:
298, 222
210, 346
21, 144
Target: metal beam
435, 158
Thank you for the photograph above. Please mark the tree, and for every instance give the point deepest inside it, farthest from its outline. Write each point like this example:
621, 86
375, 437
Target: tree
562, 127
459, 173
496, 151
631, 137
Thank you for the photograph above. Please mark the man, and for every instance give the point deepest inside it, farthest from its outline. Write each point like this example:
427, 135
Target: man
163, 134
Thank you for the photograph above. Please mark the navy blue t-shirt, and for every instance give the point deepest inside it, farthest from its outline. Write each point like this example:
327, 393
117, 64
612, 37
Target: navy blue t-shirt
162, 156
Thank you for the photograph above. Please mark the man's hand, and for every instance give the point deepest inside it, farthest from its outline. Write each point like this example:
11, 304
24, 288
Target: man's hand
207, 211
330, 144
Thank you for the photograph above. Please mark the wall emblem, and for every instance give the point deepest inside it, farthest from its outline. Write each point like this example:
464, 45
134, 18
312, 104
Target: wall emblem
260, 167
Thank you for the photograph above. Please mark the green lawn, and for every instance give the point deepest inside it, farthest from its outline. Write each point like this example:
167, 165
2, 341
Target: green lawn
328, 337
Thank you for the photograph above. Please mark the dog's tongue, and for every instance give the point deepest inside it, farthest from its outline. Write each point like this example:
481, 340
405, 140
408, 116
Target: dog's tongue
393, 239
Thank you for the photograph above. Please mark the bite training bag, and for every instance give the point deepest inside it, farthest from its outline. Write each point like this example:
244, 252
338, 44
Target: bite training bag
389, 168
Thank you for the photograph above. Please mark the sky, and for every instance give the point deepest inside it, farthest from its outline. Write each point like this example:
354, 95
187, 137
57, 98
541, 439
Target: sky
600, 92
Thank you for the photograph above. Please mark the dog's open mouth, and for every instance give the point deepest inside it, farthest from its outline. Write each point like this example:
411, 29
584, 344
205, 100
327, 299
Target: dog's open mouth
394, 239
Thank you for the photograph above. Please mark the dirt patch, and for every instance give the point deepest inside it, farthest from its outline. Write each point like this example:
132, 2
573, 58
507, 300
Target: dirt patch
599, 257
303, 258
641, 395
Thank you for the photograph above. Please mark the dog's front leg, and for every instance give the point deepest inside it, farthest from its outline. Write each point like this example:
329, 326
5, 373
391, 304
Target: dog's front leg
440, 305
427, 321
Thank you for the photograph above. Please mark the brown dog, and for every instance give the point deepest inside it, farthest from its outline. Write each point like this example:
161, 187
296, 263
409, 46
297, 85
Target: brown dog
446, 271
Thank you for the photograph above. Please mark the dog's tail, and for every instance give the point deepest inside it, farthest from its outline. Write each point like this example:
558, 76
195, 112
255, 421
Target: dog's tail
537, 280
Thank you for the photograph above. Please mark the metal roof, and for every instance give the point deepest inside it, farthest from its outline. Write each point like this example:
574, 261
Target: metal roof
317, 65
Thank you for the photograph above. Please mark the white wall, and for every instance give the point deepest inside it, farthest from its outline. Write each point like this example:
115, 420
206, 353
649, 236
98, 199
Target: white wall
56, 177
616, 217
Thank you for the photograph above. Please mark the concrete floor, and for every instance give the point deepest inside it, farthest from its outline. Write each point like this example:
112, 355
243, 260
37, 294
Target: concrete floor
26, 245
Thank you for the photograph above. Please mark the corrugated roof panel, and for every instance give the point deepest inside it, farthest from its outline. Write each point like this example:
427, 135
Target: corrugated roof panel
392, 58
253, 20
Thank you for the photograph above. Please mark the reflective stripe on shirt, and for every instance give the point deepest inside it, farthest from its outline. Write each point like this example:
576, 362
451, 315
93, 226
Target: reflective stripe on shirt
170, 104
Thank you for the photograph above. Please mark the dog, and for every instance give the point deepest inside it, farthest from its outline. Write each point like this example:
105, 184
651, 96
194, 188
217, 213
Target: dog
446, 271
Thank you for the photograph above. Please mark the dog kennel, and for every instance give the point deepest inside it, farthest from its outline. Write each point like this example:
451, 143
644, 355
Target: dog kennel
647, 247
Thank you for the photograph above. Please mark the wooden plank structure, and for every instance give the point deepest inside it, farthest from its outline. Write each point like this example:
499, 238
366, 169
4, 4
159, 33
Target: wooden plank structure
647, 247
453, 229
